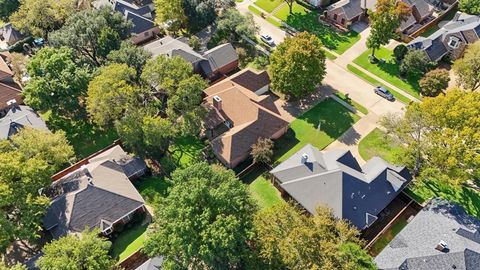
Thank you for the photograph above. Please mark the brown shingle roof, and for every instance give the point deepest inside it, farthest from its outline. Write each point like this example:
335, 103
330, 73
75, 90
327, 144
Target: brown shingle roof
251, 80
9, 91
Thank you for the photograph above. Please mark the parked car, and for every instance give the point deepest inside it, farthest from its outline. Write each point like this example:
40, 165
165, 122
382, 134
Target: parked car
267, 39
383, 92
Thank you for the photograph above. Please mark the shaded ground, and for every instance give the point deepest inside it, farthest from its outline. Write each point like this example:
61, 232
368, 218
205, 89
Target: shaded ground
152, 187
186, 150
128, 242
262, 190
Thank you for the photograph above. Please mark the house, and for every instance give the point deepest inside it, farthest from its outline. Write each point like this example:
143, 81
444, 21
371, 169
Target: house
334, 178
450, 40
18, 117
151, 264
10, 35
95, 193
347, 12
10, 91
441, 236
239, 113
212, 64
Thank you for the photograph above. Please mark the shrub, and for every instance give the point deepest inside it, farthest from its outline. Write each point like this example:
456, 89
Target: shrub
415, 63
400, 52
434, 82
194, 42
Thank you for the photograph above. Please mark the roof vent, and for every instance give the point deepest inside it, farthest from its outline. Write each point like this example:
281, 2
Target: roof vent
217, 102
90, 181
442, 246
304, 158
11, 102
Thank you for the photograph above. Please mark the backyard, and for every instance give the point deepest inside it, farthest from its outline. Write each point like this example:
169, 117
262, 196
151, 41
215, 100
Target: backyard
128, 242
319, 126
383, 241
151, 188
186, 150
388, 70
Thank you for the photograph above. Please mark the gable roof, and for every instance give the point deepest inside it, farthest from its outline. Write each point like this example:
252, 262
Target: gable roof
335, 178
440, 220
351, 8
218, 57
152, 264
10, 34
18, 117
248, 114
141, 17
95, 195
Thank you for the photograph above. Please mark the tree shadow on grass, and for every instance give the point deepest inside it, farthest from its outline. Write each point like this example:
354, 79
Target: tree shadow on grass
392, 67
284, 144
309, 22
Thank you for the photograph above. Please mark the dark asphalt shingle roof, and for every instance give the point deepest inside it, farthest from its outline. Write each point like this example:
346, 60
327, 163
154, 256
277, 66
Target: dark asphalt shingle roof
218, 57
18, 117
152, 264
141, 16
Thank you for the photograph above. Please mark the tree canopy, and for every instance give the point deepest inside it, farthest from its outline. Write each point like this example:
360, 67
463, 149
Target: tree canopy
415, 63
170, 14
201, 13
434, 82
441, 136
262, 151
92, 33
233, 25
57, 82
385, 21
14, 267
131, 55
467, 68
205, 222
86, 251
39, 17
469, 6
7, 7
297, 66
286, 238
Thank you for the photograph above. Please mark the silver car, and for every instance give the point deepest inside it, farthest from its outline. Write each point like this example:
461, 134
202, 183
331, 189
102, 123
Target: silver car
268, 39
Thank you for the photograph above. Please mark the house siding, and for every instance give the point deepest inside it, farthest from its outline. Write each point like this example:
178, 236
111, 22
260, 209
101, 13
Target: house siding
145, 36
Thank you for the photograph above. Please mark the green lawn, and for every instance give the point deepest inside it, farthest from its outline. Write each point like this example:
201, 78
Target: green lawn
128, 242
186, 150
304, 20
335, 119
383, 240
254, 10
273, 21
378, 143
389, 70
262, 190
374, 82
151, 187
353, 103
268, 5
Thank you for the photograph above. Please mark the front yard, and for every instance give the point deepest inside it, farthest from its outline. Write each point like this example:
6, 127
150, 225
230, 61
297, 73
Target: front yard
268, 5
319, 126
378, 143
389, 70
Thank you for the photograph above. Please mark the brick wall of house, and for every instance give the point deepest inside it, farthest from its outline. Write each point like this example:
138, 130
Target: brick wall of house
340, 15
470, 36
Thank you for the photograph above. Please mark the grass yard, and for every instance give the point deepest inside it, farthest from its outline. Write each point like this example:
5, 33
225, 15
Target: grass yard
262, 190
389, 70
268, 5
254, 10
185, 150
273, 21
335, 119
304, 20
152, 187
374, 82
128, 242
352, 102
383, 240
378, 143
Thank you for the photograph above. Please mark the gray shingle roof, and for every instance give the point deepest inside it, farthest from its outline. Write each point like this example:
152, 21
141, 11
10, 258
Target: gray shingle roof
141, 16
152, 264
218, 57
99, 192
414, 246
335, 178
18, 117
351, 8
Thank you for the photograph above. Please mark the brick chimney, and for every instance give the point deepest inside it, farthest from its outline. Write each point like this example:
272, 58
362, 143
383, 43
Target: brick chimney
217, 102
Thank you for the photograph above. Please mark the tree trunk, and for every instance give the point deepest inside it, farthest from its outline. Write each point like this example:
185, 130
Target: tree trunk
373, 51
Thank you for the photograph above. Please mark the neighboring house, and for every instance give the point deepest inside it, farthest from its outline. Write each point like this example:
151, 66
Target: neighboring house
10, 35
421, 11
239, 113
334, 178
451, 39
318, 3
441, 237
10, 91
95, 193
212, 64
18, 117
152, 264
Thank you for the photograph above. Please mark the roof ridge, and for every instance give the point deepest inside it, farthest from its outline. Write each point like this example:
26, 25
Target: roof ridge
13, 88
310, 176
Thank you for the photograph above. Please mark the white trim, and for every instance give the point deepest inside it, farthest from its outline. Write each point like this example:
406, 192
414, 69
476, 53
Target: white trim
131, 212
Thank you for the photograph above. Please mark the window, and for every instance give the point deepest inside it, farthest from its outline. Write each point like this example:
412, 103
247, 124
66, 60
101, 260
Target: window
126, 218
108, 231
147, 34
335, 17
454, 42
343, 21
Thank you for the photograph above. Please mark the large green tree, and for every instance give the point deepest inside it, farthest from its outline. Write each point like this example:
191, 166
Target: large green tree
434, 82
415, 63
233, 25
441, 136
131, 55
170, 14
287, 238
29, 158
205, 222
86, 251
92, 33
201, 13
14, 267
58, 82
39, 17
469, 6
385, 21
7, 7
297, 66
467, 68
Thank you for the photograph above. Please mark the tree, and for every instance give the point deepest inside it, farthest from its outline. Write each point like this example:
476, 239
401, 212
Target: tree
400, 51
286, 238
77, 252
209, 213
170, 14
290, 5
39, 17
434, 82
130, 54
18, 63
7, 7
164, 73
111, 93
469, 6
92, 33
29, 158
415, 63
385, 21
467, 68
234, 26
441, 136
194, 42
14, 267
262, 151
297, 66
201, 13
57, 82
